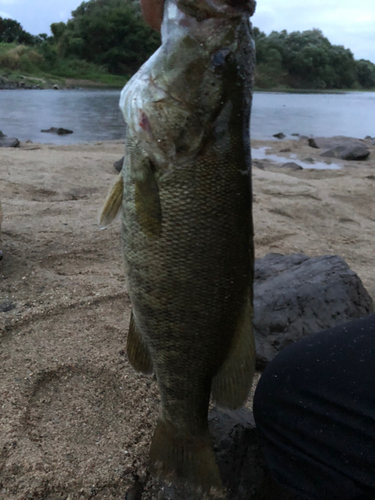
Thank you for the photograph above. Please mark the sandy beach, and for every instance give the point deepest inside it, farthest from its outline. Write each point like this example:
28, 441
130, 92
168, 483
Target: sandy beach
76, 421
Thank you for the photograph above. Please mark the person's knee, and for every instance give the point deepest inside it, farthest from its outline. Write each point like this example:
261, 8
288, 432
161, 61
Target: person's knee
278, 381
322, 364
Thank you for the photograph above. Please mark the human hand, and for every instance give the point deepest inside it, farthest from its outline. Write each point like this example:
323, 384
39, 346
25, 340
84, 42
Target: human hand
152, 11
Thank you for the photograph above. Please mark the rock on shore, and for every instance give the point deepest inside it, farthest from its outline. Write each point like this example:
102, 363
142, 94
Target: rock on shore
296, 296
345, 148
8, 142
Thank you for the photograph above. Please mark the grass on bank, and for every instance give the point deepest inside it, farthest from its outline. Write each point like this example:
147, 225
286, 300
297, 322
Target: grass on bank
19, 63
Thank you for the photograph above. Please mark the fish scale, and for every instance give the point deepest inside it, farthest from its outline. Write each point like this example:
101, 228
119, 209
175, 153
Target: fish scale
187, 232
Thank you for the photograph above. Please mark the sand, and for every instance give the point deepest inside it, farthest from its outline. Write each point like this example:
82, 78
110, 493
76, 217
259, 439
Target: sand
75, 420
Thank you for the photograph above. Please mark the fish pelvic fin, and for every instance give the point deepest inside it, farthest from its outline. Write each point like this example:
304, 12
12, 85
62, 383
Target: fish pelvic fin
185, 460
112, 203
138, 353
231, 386
147, 200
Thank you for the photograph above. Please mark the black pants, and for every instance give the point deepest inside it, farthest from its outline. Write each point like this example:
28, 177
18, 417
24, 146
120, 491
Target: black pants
315, 411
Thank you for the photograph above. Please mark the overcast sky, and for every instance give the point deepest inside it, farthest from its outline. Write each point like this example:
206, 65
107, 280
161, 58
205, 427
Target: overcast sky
344, 22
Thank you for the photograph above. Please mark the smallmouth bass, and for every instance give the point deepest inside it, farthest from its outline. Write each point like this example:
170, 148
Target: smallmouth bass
187, 232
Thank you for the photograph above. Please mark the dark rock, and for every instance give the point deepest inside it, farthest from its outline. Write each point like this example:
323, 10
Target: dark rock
55, 87
296, 296
291, 166
6, 306
285, 150
118, 164
308, 160
345, 148
333, 142
357, 153
295, 135
58, 131
259, 164
368, 137
8, 142
5, 83
237, 452
280, 135
135, 492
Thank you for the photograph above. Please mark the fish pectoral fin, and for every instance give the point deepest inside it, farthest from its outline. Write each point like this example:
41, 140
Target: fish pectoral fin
112, 203
232, 384
147, 200
187, 459
138, 353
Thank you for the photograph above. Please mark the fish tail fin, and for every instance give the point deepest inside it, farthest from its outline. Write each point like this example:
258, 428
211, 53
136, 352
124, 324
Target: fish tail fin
112, 203
188, 459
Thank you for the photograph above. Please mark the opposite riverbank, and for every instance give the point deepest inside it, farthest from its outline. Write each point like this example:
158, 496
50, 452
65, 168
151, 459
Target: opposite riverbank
29, 82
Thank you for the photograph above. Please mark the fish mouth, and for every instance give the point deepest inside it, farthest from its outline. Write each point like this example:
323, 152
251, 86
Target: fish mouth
216, 9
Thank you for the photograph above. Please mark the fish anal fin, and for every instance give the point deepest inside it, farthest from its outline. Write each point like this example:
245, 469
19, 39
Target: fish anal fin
138, 353
232, 384
185, 460
147, 200
112, 203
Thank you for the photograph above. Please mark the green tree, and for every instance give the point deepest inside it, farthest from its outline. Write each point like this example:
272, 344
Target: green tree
343, 63
366, 73
270, 72
11, 31
58, 30
308, 60
110, 33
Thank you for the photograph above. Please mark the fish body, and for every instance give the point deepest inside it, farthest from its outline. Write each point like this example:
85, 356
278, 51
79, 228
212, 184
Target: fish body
187, 233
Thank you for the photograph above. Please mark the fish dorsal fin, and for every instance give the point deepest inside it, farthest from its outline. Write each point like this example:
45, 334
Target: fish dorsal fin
112, 203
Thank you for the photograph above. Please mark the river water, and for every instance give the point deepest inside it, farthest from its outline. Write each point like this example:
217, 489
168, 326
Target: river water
94, 115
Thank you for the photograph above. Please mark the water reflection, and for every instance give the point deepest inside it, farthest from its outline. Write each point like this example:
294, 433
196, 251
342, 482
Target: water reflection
262, 154
94, 115
321, 115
